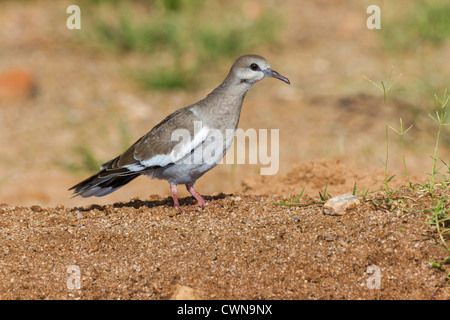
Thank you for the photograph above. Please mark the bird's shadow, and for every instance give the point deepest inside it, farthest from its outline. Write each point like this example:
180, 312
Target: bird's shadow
138, 204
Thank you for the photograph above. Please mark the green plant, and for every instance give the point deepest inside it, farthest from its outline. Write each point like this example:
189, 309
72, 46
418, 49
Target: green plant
323, 196
364, 193
446, 175
440, 219
402, 132
422, 22
297, 202
290, 203
183, 37
386, 88
166, 78
441, 119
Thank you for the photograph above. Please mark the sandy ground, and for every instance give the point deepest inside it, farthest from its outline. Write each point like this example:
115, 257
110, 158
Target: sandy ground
248, 248
134, 245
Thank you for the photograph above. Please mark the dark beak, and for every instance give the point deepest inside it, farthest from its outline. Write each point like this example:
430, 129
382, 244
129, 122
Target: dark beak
272, 73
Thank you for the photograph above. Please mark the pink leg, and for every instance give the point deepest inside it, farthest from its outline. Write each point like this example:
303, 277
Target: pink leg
173, 190
196, 195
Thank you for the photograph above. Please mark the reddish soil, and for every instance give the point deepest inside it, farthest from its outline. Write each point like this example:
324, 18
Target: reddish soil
249, 248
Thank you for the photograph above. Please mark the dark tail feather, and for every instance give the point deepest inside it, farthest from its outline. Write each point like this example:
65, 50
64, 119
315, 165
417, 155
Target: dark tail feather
100, 185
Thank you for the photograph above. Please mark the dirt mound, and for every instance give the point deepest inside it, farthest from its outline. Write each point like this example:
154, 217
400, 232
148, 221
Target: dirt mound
315, 176
247, 249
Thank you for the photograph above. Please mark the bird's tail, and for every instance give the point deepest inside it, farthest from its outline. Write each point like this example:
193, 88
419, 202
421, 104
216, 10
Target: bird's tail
101, 184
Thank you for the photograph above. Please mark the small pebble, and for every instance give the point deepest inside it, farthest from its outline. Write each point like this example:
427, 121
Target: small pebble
36, 208
185, 293
337, 205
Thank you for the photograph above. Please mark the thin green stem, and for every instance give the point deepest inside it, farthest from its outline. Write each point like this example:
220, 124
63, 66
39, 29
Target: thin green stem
387, 159
433, 170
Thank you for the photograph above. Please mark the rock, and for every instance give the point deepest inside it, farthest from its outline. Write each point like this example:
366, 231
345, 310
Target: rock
337, 205
185, 293
16, 83
36, 208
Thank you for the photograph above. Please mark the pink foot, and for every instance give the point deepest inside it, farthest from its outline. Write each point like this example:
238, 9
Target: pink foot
201, 202
176, 204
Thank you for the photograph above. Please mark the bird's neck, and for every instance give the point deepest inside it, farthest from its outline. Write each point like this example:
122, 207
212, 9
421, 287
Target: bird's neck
226, 102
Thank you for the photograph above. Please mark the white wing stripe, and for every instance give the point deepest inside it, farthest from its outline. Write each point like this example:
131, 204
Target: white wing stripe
179, 151
159, 160
135, 167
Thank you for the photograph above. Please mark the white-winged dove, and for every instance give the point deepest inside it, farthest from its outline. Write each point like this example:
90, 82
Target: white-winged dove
160, 153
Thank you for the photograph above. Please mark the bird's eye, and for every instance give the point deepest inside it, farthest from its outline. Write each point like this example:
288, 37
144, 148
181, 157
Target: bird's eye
254, 67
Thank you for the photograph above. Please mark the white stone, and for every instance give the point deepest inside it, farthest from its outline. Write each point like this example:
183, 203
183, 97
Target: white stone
337, 205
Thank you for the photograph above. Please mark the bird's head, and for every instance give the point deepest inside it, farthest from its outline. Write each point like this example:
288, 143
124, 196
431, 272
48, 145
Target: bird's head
250, 69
